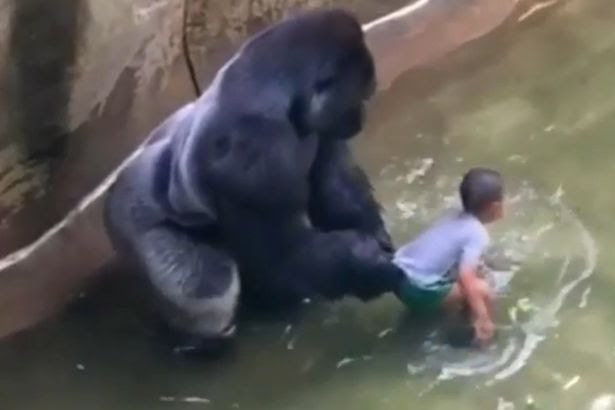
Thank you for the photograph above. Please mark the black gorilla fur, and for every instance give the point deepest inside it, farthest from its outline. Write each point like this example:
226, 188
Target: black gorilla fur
255, 180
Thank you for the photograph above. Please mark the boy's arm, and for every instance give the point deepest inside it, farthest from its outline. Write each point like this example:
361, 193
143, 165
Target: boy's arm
470, 285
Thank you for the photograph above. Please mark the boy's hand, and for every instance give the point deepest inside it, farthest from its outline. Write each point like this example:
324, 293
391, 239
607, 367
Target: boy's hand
477, 296
484, 330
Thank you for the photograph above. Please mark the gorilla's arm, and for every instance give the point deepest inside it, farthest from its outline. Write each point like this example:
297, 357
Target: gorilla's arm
343, 262
261, 185
341, 195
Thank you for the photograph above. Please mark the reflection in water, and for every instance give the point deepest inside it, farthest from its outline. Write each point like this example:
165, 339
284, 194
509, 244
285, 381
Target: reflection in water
541, 110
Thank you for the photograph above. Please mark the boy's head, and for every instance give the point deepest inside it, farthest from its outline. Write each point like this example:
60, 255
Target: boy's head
482, 194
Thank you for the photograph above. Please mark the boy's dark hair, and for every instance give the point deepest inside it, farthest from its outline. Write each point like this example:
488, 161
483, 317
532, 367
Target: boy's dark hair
479, 188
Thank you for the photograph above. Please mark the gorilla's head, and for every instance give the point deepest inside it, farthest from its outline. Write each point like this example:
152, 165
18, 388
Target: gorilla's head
320, 62
340, 92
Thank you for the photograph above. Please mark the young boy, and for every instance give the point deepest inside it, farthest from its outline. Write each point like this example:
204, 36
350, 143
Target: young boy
442, 264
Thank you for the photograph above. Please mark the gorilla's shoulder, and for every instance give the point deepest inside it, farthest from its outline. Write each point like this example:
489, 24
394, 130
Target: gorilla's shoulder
176, 124
152, 165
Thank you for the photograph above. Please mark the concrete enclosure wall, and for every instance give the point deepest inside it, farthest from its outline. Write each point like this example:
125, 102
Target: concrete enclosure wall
83, 81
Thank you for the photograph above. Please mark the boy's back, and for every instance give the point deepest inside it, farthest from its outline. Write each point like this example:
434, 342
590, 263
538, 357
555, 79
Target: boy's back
442, 264
430, 259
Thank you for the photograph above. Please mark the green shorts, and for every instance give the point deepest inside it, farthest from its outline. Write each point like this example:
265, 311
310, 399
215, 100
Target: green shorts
421, 300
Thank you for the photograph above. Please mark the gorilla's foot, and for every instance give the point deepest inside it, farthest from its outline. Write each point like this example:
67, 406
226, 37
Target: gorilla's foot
194, 345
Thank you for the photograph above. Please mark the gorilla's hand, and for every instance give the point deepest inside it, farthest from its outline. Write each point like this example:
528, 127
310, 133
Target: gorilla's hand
338, 263
373, 272
384, 240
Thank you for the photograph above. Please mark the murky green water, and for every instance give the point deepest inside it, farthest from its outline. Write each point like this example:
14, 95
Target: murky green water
536, 102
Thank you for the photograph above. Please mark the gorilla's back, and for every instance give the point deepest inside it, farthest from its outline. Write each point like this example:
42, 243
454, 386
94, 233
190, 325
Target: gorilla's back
131, 205
161, 183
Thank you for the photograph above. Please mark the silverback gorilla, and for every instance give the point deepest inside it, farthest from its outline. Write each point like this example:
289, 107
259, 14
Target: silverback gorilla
252, 186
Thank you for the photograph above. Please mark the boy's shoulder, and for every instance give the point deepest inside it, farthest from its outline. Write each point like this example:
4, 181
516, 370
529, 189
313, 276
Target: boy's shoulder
474, 229
455, 226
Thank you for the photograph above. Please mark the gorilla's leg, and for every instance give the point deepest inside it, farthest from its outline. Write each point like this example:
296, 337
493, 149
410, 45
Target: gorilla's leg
195, 284
341, 195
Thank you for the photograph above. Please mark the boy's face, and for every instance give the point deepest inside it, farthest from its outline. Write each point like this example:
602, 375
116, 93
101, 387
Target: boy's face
494, 211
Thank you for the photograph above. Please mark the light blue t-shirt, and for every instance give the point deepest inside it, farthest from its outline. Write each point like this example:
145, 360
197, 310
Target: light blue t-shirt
432, 259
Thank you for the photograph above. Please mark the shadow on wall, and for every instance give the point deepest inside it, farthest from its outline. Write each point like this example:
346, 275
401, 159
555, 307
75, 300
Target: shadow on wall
39, 76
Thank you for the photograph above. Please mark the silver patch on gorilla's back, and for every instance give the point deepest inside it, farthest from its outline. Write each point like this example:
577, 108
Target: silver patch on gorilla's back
193, 200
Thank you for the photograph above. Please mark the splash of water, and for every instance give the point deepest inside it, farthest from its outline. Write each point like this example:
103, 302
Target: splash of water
535, 328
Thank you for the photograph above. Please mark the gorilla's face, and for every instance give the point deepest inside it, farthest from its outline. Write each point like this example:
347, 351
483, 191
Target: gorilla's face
337, 109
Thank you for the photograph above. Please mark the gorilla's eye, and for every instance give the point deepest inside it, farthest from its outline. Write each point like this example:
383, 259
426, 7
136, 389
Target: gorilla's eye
323, 84
222, 146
